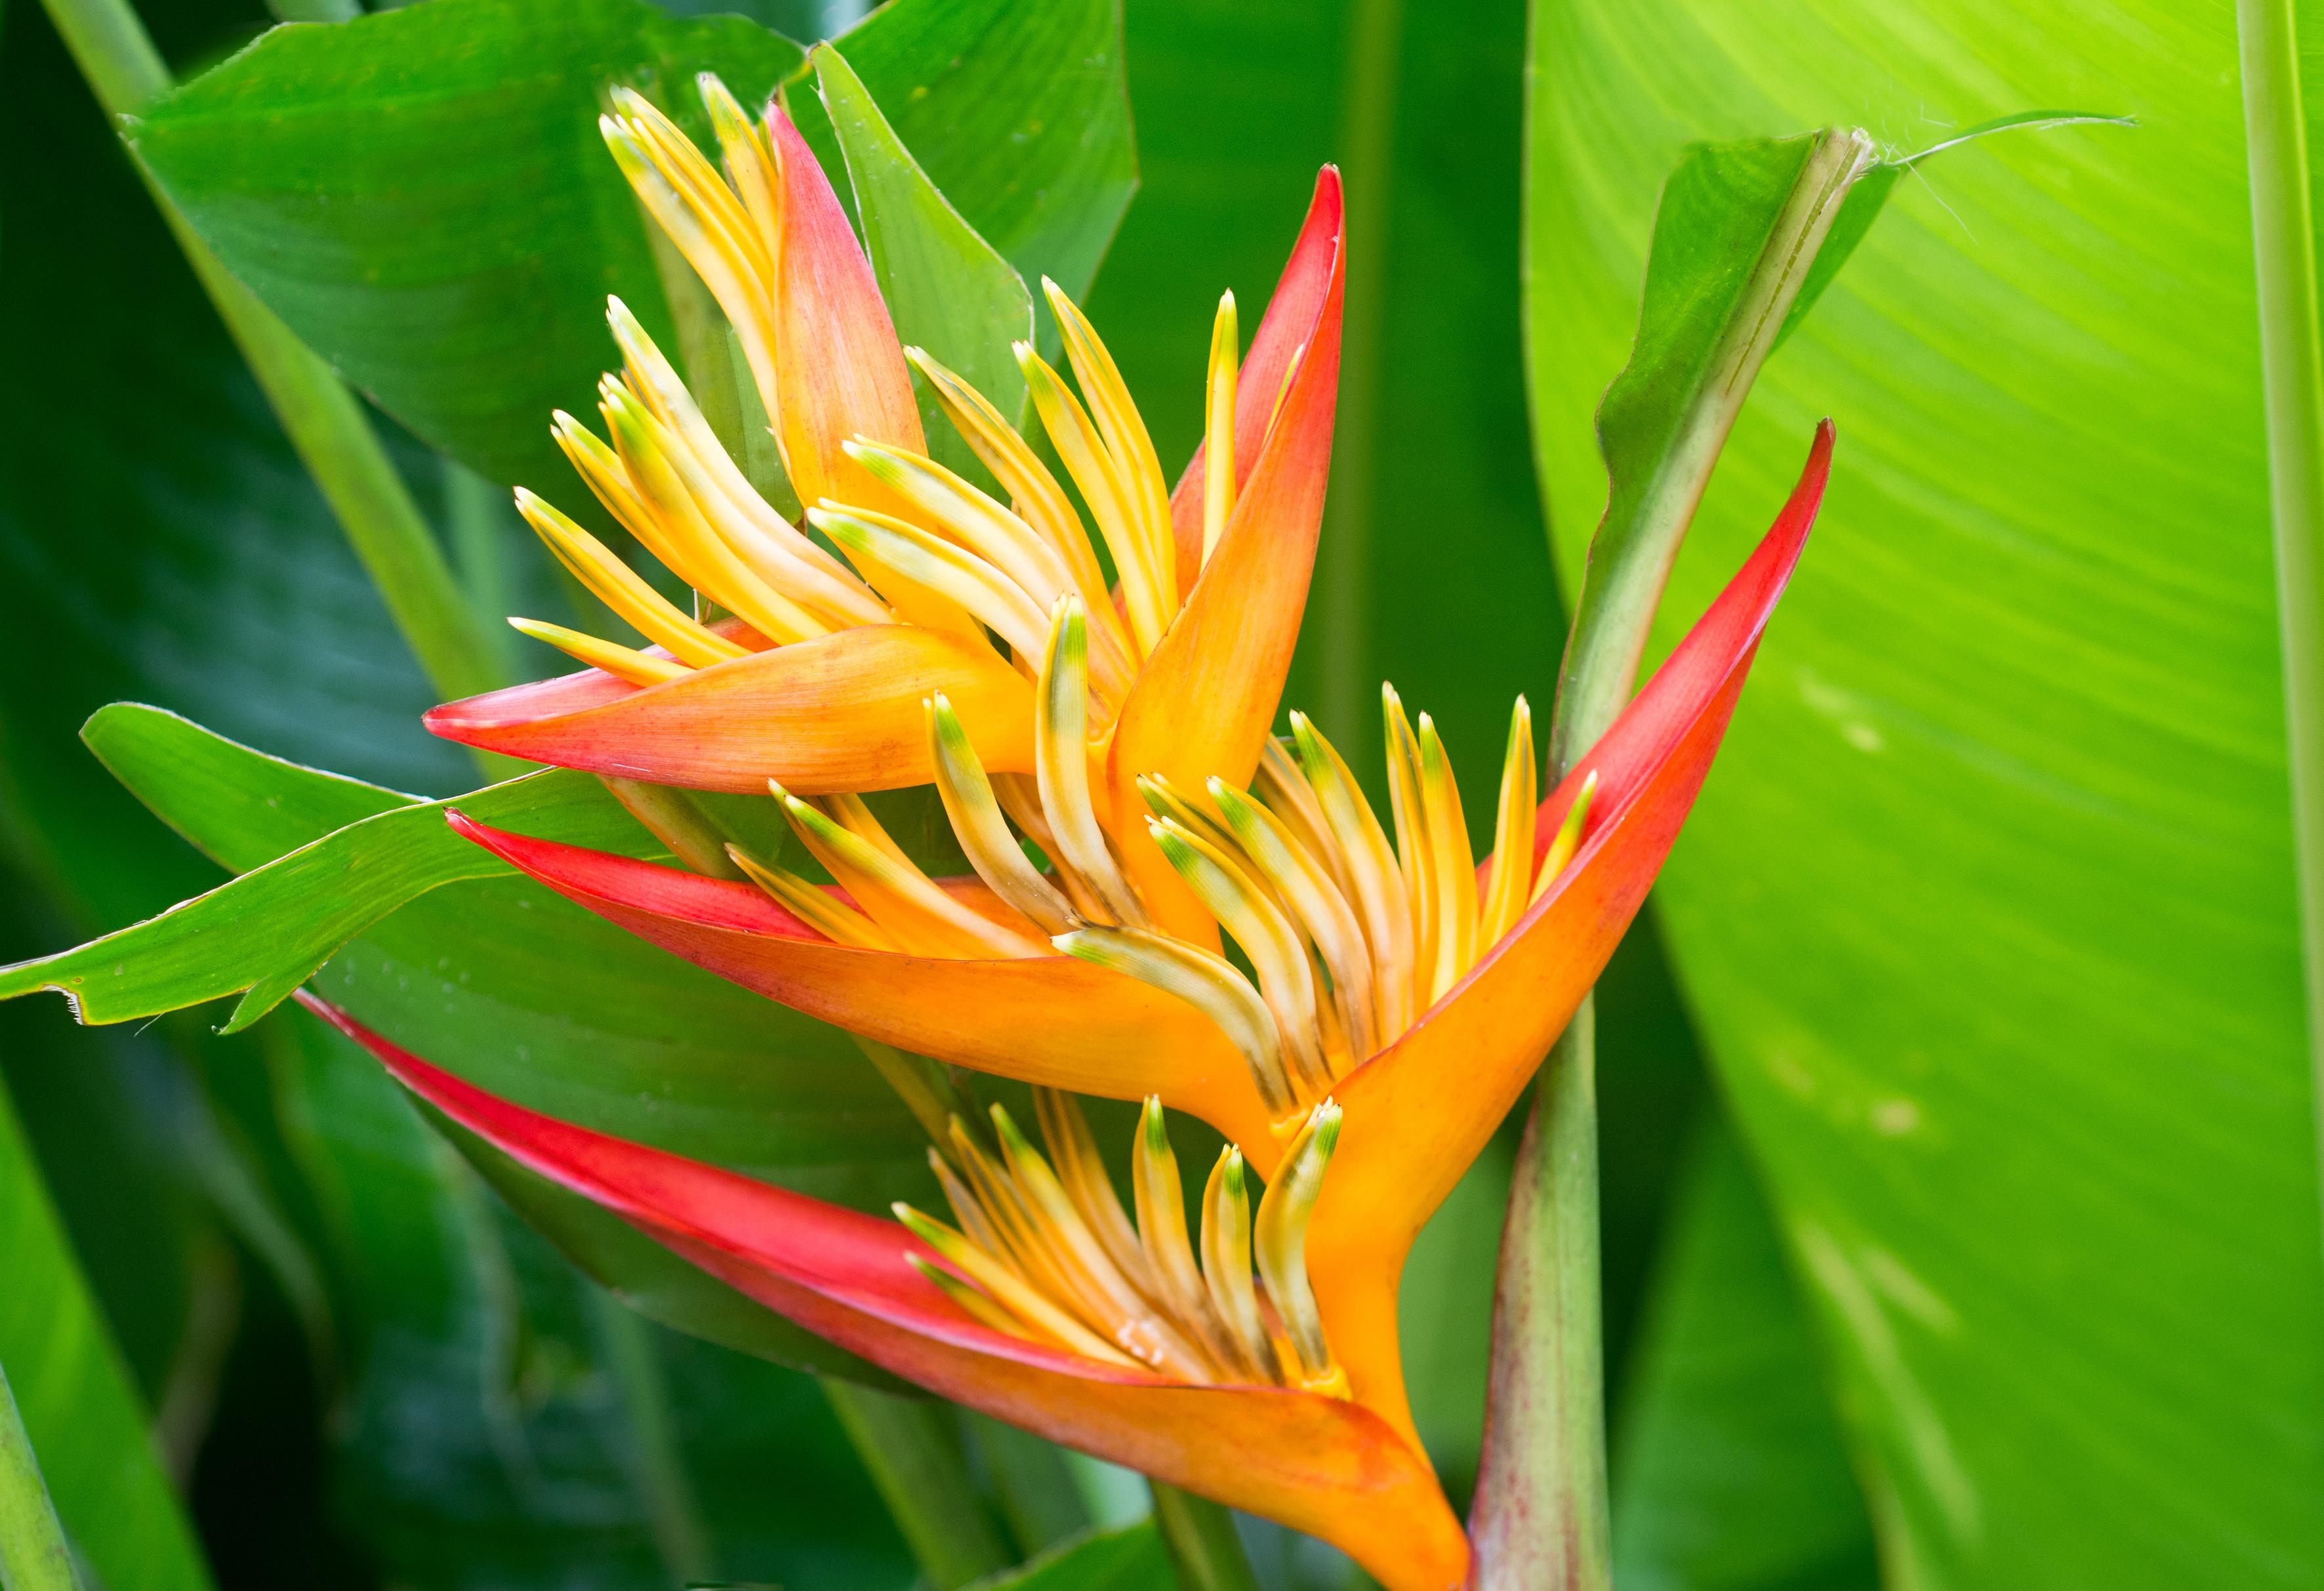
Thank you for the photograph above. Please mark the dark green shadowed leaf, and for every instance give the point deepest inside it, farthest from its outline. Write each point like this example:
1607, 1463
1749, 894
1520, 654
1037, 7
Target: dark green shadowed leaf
949, 293
487, 1438
650, 1278
1986, 915
423, 196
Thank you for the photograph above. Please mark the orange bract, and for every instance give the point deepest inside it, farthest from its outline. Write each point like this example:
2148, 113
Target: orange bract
1445, 1065
920, 548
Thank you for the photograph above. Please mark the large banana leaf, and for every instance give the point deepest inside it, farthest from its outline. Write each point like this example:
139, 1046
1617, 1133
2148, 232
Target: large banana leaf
423, 196
1987, 915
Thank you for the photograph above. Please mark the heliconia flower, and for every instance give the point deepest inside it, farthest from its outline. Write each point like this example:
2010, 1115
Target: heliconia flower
1046, 1305
817, 673
1389, 973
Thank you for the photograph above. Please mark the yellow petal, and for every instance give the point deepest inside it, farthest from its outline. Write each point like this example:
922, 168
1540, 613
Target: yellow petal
639, 668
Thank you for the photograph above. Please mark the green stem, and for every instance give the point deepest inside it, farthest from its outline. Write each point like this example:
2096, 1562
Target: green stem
33, 1556
1545, 1418
2291, 365
324, 422
1031, 1480
1204, 1546
680, 1537
914, 1455
1541, 1522
1630, 561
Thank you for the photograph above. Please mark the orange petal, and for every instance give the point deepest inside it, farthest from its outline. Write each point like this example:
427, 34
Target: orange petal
836, 712
1418, 1114
1313, 1463
1308, 278
839, 369
1230, 645
1051, 1020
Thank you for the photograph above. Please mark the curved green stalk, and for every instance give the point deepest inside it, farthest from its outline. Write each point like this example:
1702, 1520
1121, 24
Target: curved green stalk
34, 1554
1204, 1547
2291, 365
1542, 1522
916, 1461
681, 1539
324, 422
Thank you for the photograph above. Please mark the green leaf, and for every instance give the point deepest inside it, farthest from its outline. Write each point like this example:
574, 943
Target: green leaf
423, 196
1985, 915
448, 953
1132, 1558
2279, 128
1737, 231
34, 1553
947, 289
1730, 1474
1017, 112
83, 1414
270, 930
166, 546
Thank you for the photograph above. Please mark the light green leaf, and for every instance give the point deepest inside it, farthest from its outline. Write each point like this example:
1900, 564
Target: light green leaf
1985, 915
947, 289
1017, 112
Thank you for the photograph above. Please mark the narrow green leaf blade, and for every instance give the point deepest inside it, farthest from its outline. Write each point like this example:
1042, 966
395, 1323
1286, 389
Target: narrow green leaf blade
83, 1415
949, 291
1019, 113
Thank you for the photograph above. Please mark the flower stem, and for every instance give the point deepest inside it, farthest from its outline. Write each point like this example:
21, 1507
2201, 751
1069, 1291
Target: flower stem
1204, 1546
33, 1556
324, 422
1541, 1520
915, 1457
1546, 1421
2292, 367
